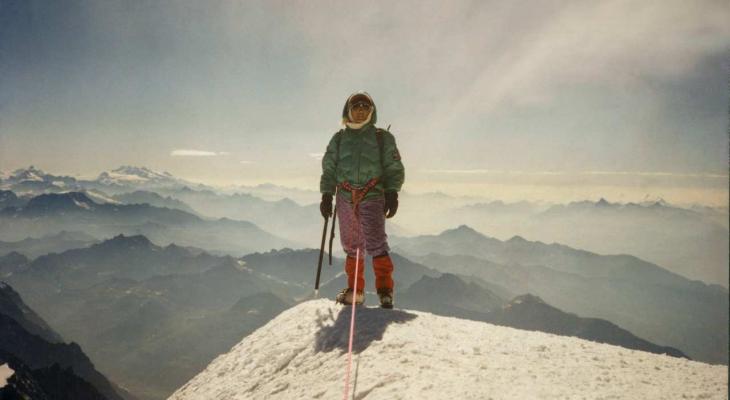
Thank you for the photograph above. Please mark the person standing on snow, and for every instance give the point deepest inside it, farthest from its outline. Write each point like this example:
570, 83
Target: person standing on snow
363, 167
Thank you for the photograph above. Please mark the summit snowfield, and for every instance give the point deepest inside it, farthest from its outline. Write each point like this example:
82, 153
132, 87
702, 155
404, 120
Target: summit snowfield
403, 354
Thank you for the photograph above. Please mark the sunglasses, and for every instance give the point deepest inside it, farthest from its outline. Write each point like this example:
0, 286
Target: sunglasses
361, 105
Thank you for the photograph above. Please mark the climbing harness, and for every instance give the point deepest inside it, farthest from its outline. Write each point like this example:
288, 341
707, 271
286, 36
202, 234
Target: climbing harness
358, 193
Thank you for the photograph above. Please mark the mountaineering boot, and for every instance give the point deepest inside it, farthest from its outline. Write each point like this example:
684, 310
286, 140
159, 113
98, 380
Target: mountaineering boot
386, 297
383, 267
345, 297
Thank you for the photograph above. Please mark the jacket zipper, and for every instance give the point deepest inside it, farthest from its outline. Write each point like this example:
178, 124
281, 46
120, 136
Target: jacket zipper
359, 154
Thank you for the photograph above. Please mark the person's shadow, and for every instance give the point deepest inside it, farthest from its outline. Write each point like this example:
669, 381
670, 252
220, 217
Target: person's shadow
370, 325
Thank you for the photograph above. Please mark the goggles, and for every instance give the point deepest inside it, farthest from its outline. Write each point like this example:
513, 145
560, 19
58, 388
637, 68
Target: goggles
361, 105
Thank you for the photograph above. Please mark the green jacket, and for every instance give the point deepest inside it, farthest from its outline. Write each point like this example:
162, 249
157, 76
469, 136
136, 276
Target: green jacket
358, 161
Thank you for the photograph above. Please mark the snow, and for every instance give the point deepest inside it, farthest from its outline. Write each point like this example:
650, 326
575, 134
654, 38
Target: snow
138, 176
32, 176
242, 266
29, 174
5, 373
115, 177
100, 197
403, 354
81, 204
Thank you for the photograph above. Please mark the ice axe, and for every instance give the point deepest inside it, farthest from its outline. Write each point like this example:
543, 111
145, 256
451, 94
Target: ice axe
332, 234
321, 254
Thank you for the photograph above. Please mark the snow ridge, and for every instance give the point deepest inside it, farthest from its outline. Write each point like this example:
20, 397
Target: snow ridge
403, 354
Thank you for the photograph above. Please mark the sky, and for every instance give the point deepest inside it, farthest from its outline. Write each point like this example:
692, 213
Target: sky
553, 100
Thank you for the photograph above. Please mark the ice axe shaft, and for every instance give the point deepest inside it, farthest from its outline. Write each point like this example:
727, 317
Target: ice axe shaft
321, 254
332, 233
334, 222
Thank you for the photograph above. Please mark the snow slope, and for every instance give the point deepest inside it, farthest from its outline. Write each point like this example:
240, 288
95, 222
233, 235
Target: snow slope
402, 354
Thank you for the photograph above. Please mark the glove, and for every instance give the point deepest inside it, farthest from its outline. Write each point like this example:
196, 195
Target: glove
325, 207
391, 204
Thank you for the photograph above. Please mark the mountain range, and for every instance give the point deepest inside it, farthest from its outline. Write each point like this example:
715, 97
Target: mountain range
139, 309
693, 241
135, 269
74, 211
150, 317
52, 243
642, 297
123, 178
44, 366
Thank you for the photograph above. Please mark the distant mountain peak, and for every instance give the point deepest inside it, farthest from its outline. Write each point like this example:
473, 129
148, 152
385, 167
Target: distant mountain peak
286, 202
603, 203
660, 203
527, 298
517, 239
30, 169
657, 201
127, 241
131, 175
445, 280
58, 201
130, 169
27, 174
462, 230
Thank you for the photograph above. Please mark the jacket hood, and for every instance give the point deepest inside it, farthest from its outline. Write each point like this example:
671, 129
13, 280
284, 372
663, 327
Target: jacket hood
373, 114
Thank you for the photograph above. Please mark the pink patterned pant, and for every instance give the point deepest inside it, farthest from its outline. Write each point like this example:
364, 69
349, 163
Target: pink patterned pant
370, 234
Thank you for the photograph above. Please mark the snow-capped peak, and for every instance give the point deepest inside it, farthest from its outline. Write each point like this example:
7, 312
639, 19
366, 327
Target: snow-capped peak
126, 175
142, 172
28, 174
654, 201
302, 354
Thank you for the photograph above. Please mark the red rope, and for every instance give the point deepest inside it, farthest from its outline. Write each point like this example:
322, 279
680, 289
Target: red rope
352, 329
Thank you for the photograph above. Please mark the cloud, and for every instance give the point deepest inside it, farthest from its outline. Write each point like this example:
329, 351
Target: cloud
665, 174
611, 45
246, 162
567, 173
479, 171
197, 153
317, 156
459, 59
